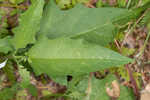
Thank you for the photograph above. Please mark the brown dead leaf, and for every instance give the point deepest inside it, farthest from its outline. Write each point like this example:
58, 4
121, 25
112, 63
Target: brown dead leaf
145, 94
114, 91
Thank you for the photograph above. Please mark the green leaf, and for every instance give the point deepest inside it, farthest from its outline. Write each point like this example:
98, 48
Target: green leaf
127, 51
61, 79
126, 93
64, 3
94, 25
146, 19
32, 90
5, 45
95, 89
66, 56
121, 3
8, 93
16, 1
25, 77
21, 95
9, 71
29, 24
91, 88
131, 15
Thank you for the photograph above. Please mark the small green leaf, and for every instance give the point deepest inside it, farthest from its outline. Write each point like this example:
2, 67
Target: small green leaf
25, 77
64, 3
146, 19
8, 93
131, 15
66, 56
28, 25
126, 93
32, 90
21, 95
5, 45
9, 71
122, 3
61, 79
128, 51
16, 1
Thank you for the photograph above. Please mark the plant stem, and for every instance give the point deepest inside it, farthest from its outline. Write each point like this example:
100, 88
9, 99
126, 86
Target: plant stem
12, 6
139, 3
128, 4
133, 82
134, 26
88, 92
145, 43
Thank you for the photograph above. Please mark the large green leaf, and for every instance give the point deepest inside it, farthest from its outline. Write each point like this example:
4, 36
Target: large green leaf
29, 24
5, 45
94, 25
66, 56
91, 88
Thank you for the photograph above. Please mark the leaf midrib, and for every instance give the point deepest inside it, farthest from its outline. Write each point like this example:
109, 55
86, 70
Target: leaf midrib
78, 59
90, 30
